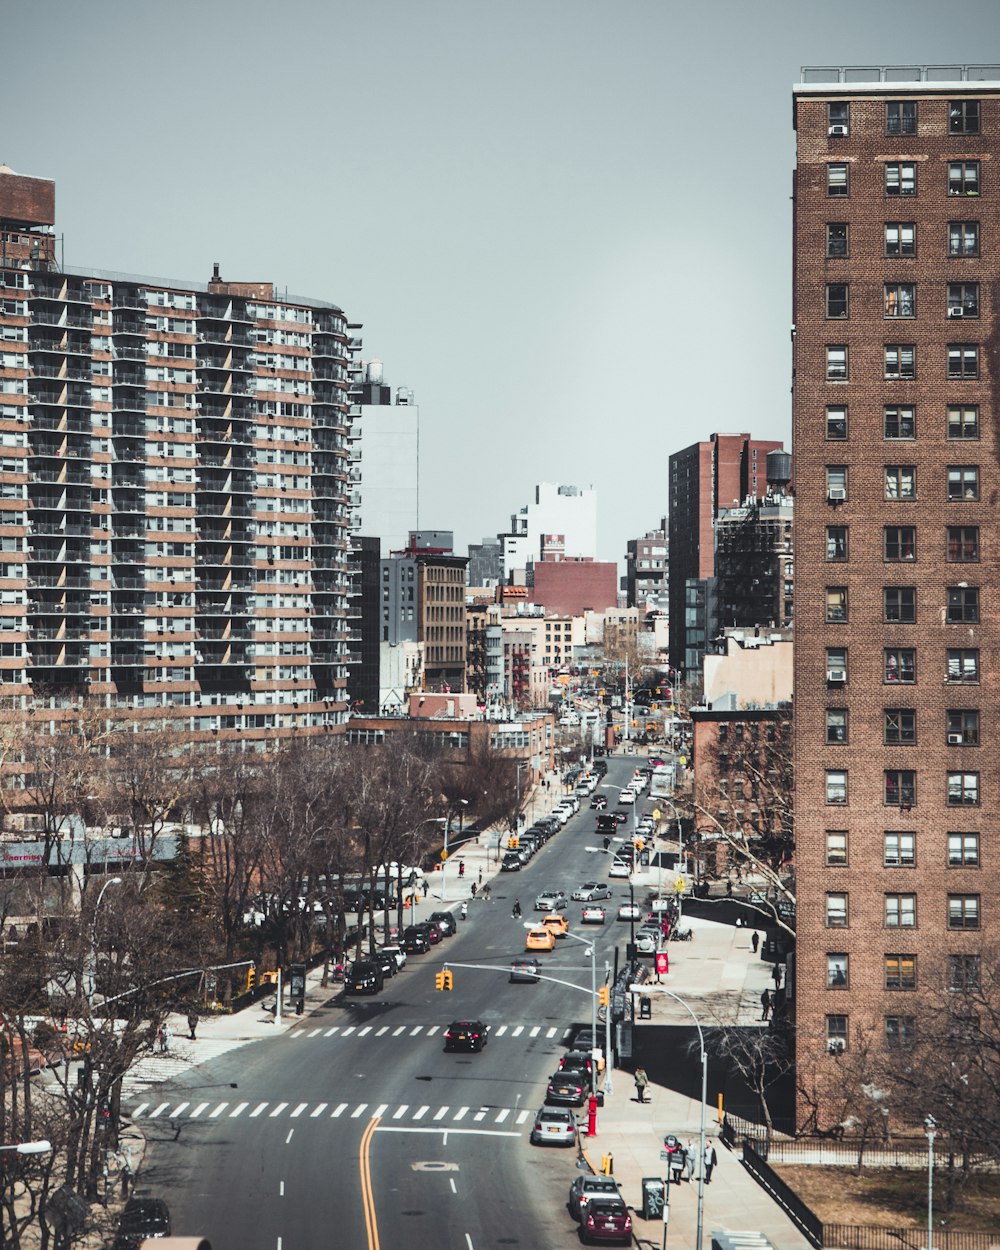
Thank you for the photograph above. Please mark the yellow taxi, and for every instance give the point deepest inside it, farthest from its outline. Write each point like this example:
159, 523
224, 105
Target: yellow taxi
540, 939
556, 924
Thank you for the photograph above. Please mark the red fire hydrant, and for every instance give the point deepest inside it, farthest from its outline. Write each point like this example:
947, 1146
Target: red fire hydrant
591, 1116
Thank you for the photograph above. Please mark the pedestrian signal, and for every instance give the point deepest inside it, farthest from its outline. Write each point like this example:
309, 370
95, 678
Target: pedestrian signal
604, 995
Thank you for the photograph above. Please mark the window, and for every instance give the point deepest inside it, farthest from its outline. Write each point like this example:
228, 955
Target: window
900, 360
963, 178
901, 117
963, 850
900, 481
963, 238
837, 971
963, 117
900, 787
963, 544
899, 603
836, 725
962, 727
900, 911
900, 972
836, 786
838, 118
963, 423
900, 178
900, 542
963, 299
837, 179
836, 542
962, 665
836, 299
836, 1027
836, 911
836, 423
899, 850
900, 299
900, 238
836, 363
836, 847
900, 423
963, 360
964, 972
899, 726
963, 481
837, 236
900, 1032
836, 664
963, 911
962, 606
836, 604
900, 665
963, 789
836, 481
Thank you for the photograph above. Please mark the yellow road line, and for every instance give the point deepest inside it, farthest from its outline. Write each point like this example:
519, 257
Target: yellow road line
367, 1196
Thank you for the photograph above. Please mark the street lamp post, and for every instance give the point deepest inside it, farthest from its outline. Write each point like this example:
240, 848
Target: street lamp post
592, 952
91, 976
930, 1127
30, 1148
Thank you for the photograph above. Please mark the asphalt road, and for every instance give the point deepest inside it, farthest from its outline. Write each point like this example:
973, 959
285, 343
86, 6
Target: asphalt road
355, 1127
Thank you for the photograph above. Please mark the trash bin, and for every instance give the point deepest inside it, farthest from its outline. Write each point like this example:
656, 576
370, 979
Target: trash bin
645, 1008
652, 1197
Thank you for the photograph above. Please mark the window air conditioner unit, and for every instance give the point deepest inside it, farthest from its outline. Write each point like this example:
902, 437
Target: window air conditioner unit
836, 674
836, 1046
957, 311
836, 493
954, 740
837, 130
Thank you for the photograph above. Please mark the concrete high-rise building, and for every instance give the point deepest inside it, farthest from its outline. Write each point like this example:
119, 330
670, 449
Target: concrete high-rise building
896, 475
567, 510
646, 581
384, 441
720, 473
173, 491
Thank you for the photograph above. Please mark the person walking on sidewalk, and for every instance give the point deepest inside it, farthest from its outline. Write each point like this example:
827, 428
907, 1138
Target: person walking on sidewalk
690, 1161
461, 867
765, 1004
192, 1023
776, 976
164, 1038
641, 1081
755, 941
472, 889
711, 1159
678, 1161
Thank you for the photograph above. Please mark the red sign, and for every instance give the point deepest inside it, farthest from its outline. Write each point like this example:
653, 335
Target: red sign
662, 962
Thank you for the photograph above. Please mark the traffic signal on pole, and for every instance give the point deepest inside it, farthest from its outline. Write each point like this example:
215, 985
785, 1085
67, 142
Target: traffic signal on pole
444, 980
251, 978
513, 842
604, 996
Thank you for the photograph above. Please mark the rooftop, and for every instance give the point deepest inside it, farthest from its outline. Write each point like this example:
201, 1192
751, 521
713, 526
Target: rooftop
878, 77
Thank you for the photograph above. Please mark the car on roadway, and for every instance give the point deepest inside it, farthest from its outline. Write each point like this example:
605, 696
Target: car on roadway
606, 1220
398, 954
511, 862
540, 940
553, 1126
364, 976
525, 970
143, 1219
594, 913
466, 1035
598, 803
445, 921
619, 868
581, 1060
386, 963
626, 798
629, 911
415, 940
587, 1189
550, 900
556, 923
647, 942
591, 890
567, 1087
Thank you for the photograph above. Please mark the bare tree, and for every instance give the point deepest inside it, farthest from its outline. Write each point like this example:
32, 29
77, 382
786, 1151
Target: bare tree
760, 1056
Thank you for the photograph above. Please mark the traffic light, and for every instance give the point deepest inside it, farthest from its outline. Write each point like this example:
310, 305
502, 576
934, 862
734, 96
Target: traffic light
639, 844
251, 978
513, 842
604, 996
444, 980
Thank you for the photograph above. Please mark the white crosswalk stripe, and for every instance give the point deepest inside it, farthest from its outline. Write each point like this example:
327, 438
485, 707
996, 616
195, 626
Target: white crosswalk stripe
400, 1114
532, 1031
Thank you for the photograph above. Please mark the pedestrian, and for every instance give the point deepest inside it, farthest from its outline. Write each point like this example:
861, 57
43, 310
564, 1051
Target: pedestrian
755, 940
487, 891
641, 1081
461, 867
765, 1004
690, 1161
776, 976
464, 910
480, 876
711, 1159
739, 922
472, 889
678, 1161
164, 1038
427, 887
516, 909
192, 1023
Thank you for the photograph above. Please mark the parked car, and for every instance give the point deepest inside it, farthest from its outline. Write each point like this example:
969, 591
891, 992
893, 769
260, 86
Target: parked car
550, 900
445, 921
526, 970
398, 954
511, 862
387, 963
364, 976
587, 1189
415, 941
581, 1060
466, 1035
606, 1220
142, 1220
553, 1126
568, 1087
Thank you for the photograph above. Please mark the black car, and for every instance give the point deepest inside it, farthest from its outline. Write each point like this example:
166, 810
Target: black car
466, 1035
364, 976
525, 969
445, 921
511, 862
582, 1060
568, 1087
415, 941
142, 1218
388, 965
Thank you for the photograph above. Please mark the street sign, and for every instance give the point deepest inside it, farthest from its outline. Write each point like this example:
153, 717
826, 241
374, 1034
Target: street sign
670, 1142
444, 854
665, 1155
680, 885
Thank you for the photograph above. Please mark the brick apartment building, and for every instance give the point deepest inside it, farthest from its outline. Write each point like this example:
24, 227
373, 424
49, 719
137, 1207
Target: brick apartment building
895, 441
173, 498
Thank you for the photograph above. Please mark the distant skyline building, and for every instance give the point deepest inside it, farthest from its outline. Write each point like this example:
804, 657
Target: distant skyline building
485, 562
423, 600
385, 461
567, 510
646, 581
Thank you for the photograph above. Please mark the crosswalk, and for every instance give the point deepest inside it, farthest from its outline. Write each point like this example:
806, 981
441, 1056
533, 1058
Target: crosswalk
528, 1031
155, 1068
404, 1113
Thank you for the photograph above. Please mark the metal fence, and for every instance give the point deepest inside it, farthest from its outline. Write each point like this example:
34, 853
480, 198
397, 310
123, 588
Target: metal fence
868, 1237
802, 1216
899, 1152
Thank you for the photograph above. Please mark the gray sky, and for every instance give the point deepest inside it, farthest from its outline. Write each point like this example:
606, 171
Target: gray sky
566, 226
